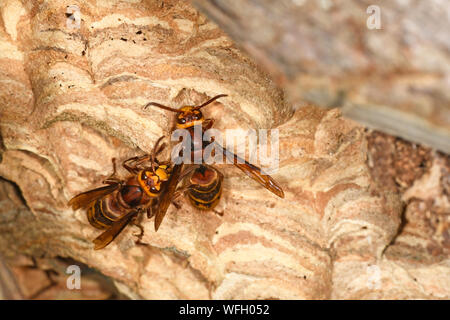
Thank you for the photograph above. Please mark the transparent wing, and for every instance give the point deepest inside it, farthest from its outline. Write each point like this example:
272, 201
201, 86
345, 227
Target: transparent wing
113, 231
167, 194
84, 199
253, 172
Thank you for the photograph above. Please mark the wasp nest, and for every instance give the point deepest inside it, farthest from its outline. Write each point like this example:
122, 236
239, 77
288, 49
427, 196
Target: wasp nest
71, 98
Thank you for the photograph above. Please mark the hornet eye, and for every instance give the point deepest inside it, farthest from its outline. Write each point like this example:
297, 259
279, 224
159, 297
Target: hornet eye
153, 190
182, 120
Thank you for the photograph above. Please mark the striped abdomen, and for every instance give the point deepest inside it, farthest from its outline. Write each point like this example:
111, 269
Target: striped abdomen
103, 212
206, 188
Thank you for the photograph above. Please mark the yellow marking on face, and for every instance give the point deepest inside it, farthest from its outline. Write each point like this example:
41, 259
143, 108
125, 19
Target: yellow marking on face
161, 172
186, 108
189, 124
187, 112
143, 183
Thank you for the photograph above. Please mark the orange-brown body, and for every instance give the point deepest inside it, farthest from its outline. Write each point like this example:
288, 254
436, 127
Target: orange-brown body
205, 187
113, 206
205, 195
